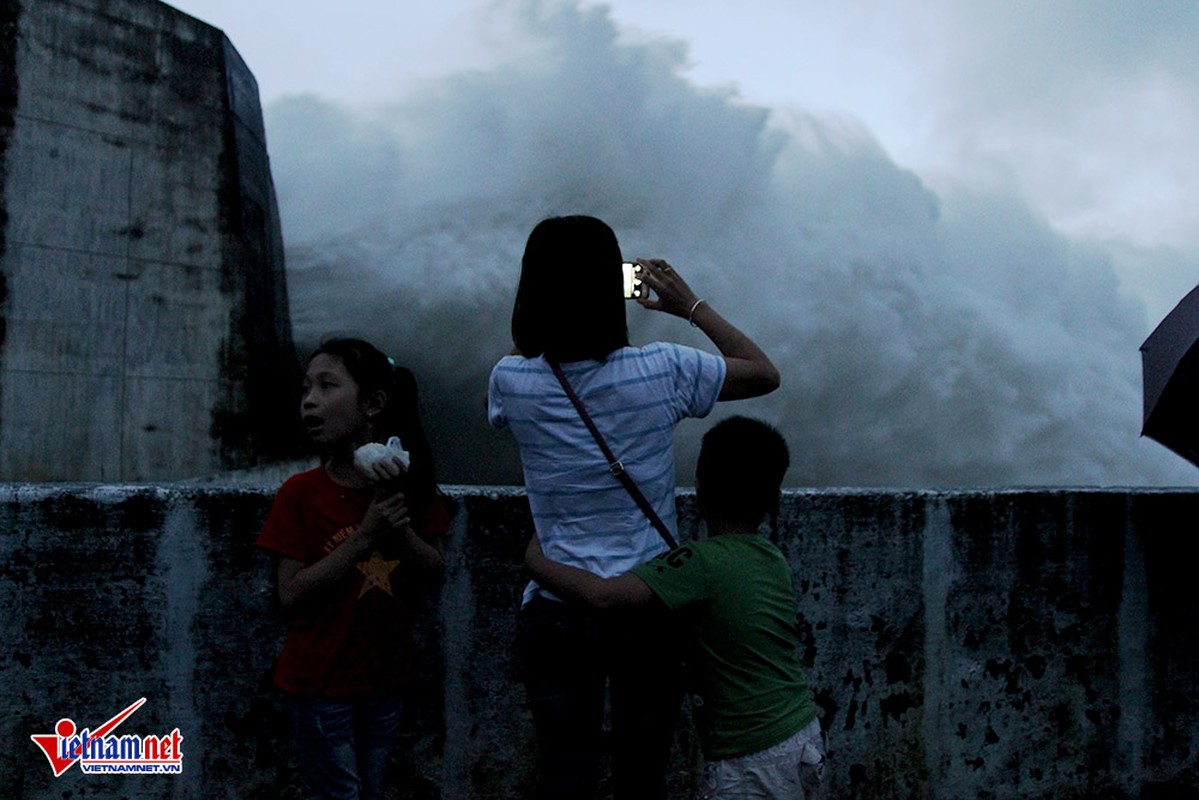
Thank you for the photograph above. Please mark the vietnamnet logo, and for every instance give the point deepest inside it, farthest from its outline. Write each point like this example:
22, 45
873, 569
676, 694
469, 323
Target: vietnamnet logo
100, 752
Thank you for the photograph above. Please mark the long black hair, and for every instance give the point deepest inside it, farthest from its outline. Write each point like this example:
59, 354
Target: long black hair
375, 372
570, 301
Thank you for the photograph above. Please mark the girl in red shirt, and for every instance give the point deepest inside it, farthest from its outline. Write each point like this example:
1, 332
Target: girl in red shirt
351, 549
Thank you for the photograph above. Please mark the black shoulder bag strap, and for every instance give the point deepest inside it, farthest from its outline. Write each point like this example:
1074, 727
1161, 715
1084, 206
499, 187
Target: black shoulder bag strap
614, 466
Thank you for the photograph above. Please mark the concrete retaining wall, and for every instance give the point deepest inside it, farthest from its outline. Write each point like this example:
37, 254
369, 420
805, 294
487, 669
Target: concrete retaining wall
1015, 644
144, 329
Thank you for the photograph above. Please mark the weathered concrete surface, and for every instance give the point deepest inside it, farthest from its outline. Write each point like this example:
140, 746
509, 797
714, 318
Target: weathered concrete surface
1015, 644
143, 313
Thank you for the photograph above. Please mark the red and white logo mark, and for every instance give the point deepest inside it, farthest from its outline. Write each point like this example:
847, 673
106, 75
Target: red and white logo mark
100, 752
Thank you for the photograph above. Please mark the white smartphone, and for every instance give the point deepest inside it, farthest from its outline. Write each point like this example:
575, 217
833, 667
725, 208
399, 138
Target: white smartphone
633, 287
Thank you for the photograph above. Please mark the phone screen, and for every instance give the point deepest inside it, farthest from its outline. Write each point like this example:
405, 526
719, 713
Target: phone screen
633, 287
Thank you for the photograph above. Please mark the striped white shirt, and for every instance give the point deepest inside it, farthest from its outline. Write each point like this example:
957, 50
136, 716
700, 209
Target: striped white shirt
583, 516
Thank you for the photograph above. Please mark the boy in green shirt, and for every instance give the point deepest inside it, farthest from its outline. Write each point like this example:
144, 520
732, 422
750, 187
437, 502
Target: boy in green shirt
755, 718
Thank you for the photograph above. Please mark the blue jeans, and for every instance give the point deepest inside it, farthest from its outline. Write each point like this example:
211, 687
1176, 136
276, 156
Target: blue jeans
569, 656
344, 746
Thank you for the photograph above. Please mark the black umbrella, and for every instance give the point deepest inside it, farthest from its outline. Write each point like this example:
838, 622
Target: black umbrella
1170, 374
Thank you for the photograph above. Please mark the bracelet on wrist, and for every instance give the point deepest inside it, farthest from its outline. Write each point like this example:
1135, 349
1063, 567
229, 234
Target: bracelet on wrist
691, 313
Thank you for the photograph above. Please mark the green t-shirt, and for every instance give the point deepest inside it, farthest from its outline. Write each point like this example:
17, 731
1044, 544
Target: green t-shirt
748, 689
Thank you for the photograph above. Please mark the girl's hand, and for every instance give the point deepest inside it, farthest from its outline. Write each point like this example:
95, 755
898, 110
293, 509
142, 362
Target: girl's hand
386, 469
299, 583
383, 516
671, 292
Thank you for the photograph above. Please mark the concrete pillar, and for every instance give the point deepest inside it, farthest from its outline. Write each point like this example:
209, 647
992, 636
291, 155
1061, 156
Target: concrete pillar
145, 327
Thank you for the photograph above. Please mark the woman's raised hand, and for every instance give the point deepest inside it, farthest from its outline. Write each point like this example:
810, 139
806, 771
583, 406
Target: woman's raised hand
748, 371
671, 292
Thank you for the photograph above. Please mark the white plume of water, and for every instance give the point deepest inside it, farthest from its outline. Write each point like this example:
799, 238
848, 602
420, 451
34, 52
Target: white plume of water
923, 340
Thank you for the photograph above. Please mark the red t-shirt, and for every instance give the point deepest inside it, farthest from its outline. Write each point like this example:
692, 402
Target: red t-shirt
357, 639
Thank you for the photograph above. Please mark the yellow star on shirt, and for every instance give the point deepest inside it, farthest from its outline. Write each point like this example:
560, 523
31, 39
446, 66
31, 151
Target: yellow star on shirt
377, 573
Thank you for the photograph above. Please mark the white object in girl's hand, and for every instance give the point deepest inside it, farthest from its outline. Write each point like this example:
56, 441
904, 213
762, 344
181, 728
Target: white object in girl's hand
372, 453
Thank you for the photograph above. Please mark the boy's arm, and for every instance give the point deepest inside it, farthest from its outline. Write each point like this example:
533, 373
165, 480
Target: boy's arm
582, 586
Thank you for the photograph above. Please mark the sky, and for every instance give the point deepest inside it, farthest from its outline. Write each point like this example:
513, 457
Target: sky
1010, 185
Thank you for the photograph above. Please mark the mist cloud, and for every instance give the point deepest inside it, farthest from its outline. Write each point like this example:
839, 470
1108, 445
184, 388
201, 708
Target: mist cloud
1090, 106
924, 339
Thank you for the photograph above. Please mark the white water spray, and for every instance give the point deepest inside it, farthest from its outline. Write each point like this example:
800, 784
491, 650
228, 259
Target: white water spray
923, 340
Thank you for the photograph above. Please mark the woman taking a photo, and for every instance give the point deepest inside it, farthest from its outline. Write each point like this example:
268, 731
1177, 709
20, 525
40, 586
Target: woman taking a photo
570, 313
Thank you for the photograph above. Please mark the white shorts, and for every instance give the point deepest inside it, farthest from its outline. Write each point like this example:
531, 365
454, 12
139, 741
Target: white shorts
787, 771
